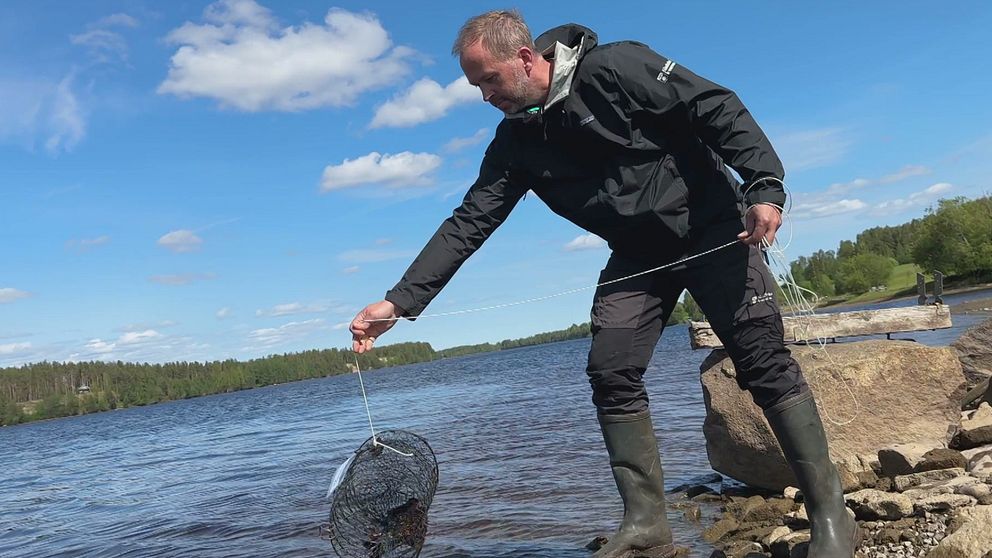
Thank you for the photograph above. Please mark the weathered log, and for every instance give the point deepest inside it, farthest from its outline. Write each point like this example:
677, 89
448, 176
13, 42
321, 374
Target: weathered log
842, 324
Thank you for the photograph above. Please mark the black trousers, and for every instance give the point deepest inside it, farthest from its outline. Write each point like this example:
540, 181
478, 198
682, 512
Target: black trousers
735, 290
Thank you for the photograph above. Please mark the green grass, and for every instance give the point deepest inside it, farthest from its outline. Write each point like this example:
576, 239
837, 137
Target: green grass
901, 281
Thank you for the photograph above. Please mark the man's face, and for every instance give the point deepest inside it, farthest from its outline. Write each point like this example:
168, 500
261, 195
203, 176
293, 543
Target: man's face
505, 84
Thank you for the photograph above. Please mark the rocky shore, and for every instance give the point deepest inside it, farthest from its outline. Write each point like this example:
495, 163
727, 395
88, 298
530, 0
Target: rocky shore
915, 463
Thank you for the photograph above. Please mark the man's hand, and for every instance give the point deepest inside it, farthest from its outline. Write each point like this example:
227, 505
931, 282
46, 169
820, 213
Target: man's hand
762, 221
365, 332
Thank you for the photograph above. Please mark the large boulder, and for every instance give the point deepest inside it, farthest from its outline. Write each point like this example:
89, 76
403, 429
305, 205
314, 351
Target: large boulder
871, 395
974, 349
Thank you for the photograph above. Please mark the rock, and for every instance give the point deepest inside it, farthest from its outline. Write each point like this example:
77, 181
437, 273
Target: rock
974, 350
694, 491
888, 536
786, 547
941, 458
981, 492
740, 549
708, 478
942, 502
718, 530
776, 534
905, 482
976, 430
972, 539
902, 459
903, 392
798, 519
771, 510
740, 508
692, 513
791, 493
870, 504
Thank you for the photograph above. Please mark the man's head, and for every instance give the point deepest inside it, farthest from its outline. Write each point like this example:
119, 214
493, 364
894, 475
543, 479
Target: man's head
498, 56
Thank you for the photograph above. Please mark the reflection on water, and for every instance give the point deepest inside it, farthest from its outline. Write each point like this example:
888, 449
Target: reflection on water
522, 468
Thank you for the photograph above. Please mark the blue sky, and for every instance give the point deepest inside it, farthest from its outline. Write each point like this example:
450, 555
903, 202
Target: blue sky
196, 180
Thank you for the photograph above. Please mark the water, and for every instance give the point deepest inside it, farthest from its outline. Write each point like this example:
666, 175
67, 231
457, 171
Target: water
522, 468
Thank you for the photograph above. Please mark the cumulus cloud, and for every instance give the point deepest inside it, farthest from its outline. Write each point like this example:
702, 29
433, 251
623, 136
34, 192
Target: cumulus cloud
399, 170
585, 242
292, 308
918, 199
242, 57
457, 144
817, 208
138, 345
424, 101
223, 313
14, 348
9, 294
812, 148
181, 240
272, 336
181, 278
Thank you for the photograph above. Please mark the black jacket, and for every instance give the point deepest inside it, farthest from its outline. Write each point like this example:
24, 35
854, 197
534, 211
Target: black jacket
635, 149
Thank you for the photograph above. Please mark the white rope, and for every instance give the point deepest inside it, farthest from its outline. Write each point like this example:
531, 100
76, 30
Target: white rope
555, 295
368, 411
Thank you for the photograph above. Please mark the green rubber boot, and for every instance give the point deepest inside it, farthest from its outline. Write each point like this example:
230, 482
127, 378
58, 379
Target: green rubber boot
633, 449
797, 425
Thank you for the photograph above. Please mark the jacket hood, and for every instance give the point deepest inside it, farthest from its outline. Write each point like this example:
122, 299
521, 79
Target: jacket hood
570, 35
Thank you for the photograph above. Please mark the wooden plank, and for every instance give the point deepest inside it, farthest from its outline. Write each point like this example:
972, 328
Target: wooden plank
843, 324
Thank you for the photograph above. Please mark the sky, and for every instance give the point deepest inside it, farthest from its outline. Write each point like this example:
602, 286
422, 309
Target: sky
197, 181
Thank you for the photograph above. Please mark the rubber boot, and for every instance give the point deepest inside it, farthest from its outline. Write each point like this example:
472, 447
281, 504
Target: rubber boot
633, 449
797, 425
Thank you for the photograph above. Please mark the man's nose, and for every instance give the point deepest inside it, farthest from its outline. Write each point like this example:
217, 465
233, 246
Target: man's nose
486, 93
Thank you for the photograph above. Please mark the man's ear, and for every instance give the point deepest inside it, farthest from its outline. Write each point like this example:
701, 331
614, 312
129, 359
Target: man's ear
526, 56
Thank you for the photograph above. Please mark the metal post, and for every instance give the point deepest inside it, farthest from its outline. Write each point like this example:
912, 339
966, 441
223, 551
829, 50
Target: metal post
938, 287
921, 289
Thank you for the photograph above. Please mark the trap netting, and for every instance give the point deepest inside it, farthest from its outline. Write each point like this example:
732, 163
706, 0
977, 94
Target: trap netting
381, 497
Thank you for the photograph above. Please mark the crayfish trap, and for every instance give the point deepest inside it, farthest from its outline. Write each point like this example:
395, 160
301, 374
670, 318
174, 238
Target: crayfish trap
380, 497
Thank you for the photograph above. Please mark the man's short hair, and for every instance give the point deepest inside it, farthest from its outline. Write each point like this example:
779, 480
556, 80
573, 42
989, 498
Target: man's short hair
502, 32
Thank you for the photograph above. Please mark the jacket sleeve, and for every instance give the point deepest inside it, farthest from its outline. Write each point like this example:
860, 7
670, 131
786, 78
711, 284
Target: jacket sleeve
716, 115
486, 205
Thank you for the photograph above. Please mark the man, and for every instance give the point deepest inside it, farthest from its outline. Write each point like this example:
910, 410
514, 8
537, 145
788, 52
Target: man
635, 148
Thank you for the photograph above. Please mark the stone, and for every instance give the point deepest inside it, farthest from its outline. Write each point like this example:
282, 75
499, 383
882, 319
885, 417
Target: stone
976, 430
941, 458
904, 482
980, 491
739, 549
974, 351
775, 535
902, 459
870, 394
770, 510
692, 513
943, 502
718, 530
870, 504
973, 539
786, 547
791, 493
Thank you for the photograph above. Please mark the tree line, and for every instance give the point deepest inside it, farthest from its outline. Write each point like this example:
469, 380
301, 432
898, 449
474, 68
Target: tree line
955, 238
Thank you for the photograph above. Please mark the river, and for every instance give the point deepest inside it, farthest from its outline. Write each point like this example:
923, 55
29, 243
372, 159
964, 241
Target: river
522, 468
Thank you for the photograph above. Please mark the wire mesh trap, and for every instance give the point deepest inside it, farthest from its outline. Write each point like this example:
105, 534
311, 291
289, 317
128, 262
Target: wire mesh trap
380, 498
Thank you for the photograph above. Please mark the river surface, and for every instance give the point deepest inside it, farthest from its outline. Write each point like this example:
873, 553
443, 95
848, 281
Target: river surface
522, 468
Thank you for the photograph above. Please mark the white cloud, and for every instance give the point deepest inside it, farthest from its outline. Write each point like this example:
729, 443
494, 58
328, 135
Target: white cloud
65, 120
242, 57
908, 171
351, 269
292, 308
812, 148
100, 347
370, 256
133, 337
223, 313
585, 242
383, 241
9, 294
181, 240
271, 336
401, 169
104, 45
457, 144
86, 244
424, 101
14, 348
181, 278
818, 208
117, 20
340, 326
915, 200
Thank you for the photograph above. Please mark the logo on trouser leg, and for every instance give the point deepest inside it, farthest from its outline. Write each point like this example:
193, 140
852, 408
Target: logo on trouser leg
762, 298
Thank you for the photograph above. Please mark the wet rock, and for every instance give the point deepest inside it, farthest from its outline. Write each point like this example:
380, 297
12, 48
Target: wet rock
906, 391
720, 529
697, 490
972, 539
692, 513
871, 504
708, 478
941, 458
905, 482
976, 430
